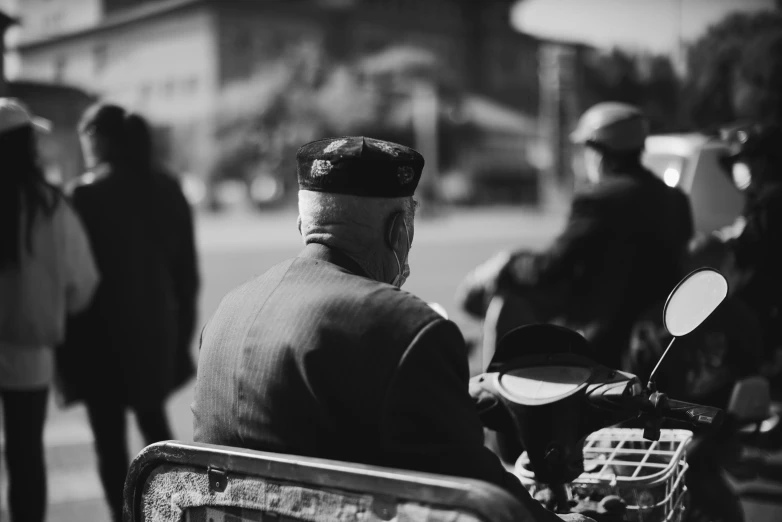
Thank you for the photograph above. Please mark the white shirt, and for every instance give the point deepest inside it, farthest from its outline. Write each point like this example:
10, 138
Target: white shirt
58, 277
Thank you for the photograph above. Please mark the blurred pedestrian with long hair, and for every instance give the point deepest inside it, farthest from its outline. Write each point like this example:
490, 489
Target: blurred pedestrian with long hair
46, 271
131, 349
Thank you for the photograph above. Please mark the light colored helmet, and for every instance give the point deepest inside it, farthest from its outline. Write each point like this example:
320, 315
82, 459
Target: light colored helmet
613, 126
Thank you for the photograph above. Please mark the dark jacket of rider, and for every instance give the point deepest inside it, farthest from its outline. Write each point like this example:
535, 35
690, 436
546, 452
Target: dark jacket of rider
622, 250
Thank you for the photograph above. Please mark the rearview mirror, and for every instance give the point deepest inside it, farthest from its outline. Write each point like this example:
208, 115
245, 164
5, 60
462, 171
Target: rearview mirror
693, 300
690, 303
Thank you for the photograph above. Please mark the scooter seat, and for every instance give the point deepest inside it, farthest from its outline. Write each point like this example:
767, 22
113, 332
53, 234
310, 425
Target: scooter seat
750, 402
762, 427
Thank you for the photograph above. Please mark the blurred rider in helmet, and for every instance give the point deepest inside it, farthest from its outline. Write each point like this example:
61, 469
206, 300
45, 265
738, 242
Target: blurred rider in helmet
749, 252
621, 250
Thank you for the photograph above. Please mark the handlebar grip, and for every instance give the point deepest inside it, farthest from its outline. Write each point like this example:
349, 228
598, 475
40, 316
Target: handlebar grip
693, 413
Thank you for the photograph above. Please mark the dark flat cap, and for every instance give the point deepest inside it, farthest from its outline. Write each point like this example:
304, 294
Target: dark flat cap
359, 166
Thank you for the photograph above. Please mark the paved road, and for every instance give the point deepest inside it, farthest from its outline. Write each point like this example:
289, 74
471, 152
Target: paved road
235, 248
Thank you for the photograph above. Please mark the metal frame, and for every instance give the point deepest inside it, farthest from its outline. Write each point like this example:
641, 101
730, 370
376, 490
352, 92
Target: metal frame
486, 501
645, 475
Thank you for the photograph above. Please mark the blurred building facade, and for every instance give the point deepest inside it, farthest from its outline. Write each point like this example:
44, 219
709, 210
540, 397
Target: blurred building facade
5, 23
155, 57
63, 106
171, 59
46, 18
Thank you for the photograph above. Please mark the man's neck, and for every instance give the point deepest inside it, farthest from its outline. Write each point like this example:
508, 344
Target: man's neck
315, 250
373, 260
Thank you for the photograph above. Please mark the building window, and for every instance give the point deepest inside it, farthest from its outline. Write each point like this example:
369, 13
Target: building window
190, 85
373, 43
53, 22
100, 57
269, 44
242, 41
146, 93
59, 68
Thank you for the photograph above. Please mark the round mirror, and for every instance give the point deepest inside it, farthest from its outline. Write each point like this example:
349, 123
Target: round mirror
693, 300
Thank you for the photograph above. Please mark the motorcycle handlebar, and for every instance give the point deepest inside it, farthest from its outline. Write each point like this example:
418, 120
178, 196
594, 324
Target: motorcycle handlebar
695, 414
613, 396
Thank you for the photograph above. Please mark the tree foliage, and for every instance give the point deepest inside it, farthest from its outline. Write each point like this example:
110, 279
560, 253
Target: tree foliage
648, 81
713, 62
706, 97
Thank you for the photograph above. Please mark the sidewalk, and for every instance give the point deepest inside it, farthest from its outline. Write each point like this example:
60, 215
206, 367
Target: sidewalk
71, 470
74, 490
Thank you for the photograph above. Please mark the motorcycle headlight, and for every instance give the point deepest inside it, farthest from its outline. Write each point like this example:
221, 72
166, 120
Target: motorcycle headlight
742, 175
671, 176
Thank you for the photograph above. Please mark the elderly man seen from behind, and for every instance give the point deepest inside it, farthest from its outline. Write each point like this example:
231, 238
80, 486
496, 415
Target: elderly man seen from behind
324, 355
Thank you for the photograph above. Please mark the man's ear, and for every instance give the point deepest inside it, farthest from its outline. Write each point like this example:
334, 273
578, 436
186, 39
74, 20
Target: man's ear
396, 235
298, 224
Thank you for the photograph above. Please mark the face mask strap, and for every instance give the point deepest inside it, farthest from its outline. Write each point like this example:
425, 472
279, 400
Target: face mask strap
398, 264
400, 274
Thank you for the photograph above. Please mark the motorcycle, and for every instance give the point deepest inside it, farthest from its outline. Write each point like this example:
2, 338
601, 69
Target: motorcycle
731, 471
753, 464
542, 388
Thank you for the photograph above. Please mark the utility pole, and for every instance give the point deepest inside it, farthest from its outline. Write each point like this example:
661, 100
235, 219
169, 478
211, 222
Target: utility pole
425, 109
557, 113
680, 57
549, 121
5, 22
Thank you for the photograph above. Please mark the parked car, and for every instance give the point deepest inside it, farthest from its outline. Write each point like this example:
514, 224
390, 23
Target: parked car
693, 163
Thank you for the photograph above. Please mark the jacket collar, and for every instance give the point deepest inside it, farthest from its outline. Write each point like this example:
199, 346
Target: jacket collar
333, 256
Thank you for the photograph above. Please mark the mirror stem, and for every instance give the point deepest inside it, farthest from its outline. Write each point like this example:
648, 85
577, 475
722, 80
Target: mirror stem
650, 384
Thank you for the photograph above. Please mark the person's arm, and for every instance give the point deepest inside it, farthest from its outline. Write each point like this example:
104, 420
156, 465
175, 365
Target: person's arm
82, 276
186, 279
431, 423
509, 270
589, 221
760, 232
738, 249
476, 291
687, 226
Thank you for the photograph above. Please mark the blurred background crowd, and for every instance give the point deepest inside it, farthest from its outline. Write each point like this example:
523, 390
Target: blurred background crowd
487, 90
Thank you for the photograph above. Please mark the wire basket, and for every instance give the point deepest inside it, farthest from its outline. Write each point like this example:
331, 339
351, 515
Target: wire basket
647, 475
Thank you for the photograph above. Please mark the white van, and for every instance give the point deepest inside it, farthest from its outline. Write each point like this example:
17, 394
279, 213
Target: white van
692, 163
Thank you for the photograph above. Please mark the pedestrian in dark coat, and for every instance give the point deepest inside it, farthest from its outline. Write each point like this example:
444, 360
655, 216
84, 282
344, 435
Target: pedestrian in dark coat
131, 349
325, 356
